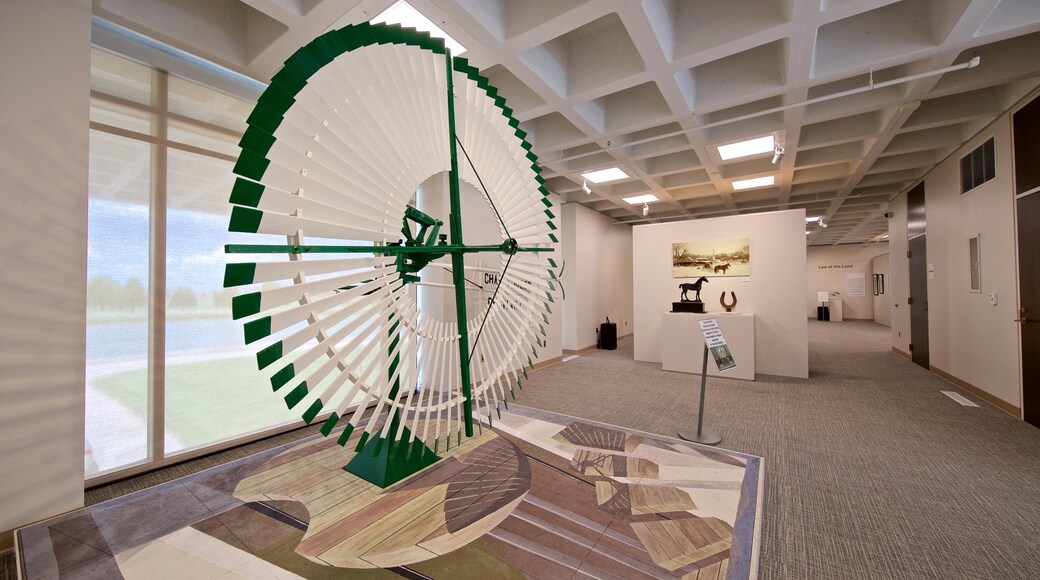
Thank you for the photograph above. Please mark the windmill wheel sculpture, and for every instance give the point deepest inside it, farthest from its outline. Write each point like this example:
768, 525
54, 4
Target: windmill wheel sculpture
334, 152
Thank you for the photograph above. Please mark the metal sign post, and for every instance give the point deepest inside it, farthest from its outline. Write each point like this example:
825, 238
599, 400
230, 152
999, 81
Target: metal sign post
713, 338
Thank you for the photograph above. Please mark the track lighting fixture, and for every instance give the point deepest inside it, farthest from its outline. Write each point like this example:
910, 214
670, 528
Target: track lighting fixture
585, 187
646, 209
778, 153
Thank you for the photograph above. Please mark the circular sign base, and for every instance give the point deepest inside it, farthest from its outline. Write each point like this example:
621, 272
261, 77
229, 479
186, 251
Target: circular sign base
705, 438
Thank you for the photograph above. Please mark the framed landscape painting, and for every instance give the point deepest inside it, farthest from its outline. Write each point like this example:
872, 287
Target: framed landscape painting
725, 257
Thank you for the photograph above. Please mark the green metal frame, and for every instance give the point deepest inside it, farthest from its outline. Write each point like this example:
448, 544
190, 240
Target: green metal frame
382, 461
506, 247
458, 268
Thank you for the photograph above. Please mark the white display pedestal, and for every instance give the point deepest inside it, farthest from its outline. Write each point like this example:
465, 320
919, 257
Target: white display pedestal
682, 344
835, 308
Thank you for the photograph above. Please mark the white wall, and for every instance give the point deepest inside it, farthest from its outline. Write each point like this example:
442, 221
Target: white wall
44, 120
969, 337
883, 302
569, 247
598, 278
826, 267
774, 290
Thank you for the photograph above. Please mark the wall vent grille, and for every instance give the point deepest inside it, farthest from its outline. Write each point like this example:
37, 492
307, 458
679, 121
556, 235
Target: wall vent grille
978, 167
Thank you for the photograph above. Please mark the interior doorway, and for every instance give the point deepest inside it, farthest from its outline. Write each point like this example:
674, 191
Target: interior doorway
1029, 302
918, 257
1026, 125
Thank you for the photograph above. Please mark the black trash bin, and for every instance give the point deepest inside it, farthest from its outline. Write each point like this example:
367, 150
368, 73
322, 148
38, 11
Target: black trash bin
608, 335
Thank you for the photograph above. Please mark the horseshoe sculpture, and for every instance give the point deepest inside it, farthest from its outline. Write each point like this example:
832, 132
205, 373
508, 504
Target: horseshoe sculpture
722, 299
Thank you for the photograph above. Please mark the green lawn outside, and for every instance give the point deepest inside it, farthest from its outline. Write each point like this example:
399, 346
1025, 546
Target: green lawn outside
206, 401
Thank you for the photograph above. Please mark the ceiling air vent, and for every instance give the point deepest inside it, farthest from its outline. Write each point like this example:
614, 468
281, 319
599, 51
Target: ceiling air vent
978, 167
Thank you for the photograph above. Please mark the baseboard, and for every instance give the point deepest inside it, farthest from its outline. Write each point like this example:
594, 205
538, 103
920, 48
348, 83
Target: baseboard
905, 355
6, 540
546, 363
568, 351
985, 396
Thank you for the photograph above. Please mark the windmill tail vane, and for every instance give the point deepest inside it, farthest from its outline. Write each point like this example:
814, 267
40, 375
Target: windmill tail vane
334, 309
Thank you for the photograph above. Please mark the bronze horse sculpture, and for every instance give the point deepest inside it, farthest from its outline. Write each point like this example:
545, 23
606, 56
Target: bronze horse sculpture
696, 287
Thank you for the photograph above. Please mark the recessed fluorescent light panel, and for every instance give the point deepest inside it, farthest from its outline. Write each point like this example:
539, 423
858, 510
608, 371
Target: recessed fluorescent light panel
602, 175
641, 199
402, 13
746, 148
756, 182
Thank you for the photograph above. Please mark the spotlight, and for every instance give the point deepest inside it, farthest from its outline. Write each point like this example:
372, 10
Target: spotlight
778, 153
822, 224
646, 209
585, 187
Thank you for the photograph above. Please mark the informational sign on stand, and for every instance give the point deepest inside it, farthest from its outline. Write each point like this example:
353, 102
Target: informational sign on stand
716, 343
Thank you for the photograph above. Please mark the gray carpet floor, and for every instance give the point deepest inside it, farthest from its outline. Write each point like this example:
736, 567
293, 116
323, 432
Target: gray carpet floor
871, 472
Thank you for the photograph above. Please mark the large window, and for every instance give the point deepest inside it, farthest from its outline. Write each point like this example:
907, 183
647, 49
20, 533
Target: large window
167, 371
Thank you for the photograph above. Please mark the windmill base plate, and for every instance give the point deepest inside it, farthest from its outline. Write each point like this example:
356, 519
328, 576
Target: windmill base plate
384, 462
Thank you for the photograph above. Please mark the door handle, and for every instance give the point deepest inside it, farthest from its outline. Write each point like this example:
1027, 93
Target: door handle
1022, 317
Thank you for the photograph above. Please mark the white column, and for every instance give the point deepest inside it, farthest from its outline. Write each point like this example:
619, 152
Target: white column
44, 134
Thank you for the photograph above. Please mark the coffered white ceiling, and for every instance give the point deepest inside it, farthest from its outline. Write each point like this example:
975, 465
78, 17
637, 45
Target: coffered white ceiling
654, 86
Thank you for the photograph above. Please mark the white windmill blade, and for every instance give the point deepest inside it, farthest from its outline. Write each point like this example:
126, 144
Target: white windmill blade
257, 272
536, 278
341, 209
510, 357
355, 298
359, 329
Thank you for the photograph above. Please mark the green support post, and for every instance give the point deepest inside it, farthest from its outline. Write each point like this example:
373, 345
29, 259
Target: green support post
457, 264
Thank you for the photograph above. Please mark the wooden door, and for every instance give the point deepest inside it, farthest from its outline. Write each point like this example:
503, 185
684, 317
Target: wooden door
1029, 300
918, 300
1026, 127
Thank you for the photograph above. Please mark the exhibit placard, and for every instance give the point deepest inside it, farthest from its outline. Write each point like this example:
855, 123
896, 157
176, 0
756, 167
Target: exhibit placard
716, 343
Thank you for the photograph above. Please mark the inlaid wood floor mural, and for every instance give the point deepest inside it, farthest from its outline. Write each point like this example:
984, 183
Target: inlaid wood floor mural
541, 495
